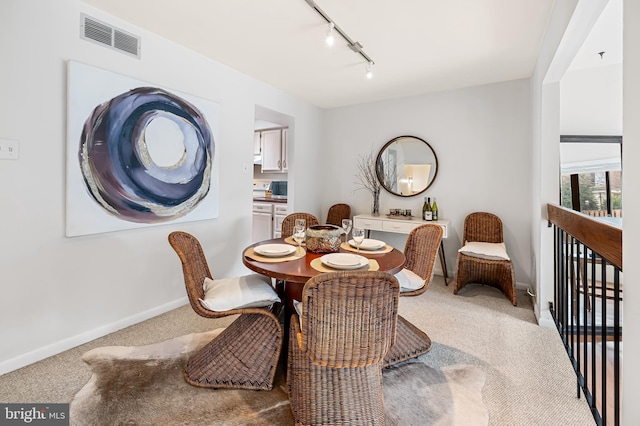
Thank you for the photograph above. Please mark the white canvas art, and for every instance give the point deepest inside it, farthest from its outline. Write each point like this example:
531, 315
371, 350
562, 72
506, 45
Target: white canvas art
137, 155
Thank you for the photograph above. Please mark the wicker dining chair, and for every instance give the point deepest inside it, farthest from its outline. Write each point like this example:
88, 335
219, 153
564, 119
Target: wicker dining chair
243, 356
289, 222
337, 212
420, 251
335, 357
499, 273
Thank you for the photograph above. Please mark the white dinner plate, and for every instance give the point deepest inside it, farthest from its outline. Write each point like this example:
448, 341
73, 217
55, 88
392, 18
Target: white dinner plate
344, 261
368, 244
274, 250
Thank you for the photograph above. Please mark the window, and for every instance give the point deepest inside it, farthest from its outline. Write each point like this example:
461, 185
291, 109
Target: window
591, 174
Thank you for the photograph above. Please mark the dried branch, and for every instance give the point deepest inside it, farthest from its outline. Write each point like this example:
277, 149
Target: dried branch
367, 178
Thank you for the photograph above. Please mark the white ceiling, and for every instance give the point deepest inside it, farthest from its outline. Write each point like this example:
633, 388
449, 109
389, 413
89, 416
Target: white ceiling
418, 46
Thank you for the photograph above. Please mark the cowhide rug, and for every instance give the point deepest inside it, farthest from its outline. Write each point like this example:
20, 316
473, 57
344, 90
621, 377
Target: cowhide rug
143, 385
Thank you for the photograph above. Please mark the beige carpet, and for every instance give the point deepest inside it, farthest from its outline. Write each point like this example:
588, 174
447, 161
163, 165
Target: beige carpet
143, 385
529, 378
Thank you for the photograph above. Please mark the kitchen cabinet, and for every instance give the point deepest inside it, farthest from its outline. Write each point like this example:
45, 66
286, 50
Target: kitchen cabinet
273, 145
262, 227
257, 149
279, 213
267, 220
285, 150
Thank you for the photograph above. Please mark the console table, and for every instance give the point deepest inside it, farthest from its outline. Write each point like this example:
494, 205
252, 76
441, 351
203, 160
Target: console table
401, 226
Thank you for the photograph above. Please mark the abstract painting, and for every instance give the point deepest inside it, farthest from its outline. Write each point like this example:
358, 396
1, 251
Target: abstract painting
137, 155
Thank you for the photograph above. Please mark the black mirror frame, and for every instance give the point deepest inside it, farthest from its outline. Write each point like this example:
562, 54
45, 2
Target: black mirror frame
380, 170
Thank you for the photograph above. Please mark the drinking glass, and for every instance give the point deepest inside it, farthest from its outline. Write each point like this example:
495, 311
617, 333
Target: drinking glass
346, 225
301, 224
299, 232
358, 237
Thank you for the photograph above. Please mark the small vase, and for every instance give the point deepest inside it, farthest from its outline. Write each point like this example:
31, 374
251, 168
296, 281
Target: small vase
375, 208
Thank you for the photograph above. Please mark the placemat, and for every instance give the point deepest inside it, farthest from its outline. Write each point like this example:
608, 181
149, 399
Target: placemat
290, 240
386, 249
251, 254
319, 266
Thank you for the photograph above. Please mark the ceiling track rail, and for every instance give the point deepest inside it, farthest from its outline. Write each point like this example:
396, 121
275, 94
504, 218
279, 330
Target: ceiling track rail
356, 46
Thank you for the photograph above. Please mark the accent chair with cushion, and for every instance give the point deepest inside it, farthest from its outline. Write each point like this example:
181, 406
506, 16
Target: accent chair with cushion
337, 212
245, 355
483, 258
335, 357
289, 222
420, 251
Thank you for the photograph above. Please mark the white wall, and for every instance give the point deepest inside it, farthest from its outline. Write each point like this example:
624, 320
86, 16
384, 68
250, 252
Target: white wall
58, 292
591, 101
481, 136
565, 34
631, 204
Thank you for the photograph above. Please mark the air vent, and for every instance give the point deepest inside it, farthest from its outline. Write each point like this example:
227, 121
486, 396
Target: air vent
99, 32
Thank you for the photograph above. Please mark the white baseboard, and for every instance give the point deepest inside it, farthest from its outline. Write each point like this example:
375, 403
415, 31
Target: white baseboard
73, 341
547, 322
544, 318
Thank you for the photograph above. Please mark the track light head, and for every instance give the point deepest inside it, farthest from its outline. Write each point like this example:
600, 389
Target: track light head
369, 70
330, 40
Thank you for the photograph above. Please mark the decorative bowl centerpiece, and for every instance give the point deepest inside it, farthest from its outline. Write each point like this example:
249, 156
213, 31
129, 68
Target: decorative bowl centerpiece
323, 238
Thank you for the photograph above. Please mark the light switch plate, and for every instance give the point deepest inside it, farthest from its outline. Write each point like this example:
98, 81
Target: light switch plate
245, 168
9, 149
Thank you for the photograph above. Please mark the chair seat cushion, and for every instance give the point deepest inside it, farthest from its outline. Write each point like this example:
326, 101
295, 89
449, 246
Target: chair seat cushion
247, 291
298, 307
488, 251
409, 280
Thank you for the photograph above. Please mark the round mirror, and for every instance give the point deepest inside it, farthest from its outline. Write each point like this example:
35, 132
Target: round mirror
406, 166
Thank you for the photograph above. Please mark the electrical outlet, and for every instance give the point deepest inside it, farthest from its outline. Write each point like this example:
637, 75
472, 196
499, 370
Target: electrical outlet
245, 168
8, 149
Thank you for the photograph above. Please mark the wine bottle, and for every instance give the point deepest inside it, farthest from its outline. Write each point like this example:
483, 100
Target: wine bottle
434, 210
427, 214
424, 208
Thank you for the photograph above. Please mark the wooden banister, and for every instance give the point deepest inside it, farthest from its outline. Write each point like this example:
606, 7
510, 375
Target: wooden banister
604, 239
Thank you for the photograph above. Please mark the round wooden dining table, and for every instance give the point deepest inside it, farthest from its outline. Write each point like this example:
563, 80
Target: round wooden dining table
295, 273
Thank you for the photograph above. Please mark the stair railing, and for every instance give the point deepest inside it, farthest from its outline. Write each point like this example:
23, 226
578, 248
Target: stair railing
587, 306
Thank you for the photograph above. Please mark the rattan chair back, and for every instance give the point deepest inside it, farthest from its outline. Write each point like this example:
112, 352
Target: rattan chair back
420, 251
195, 268
289, 222
337, 212
349, 318
335, 361
483, 227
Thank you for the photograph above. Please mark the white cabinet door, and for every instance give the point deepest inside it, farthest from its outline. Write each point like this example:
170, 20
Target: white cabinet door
279, 213
285, 150
256, 144
262, 221
262, 226
271, 150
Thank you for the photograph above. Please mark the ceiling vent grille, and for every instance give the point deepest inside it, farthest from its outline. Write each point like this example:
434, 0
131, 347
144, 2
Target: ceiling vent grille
101, 33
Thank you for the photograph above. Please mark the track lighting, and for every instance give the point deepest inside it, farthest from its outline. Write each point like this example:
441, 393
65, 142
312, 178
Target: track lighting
356, 46
330, 38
